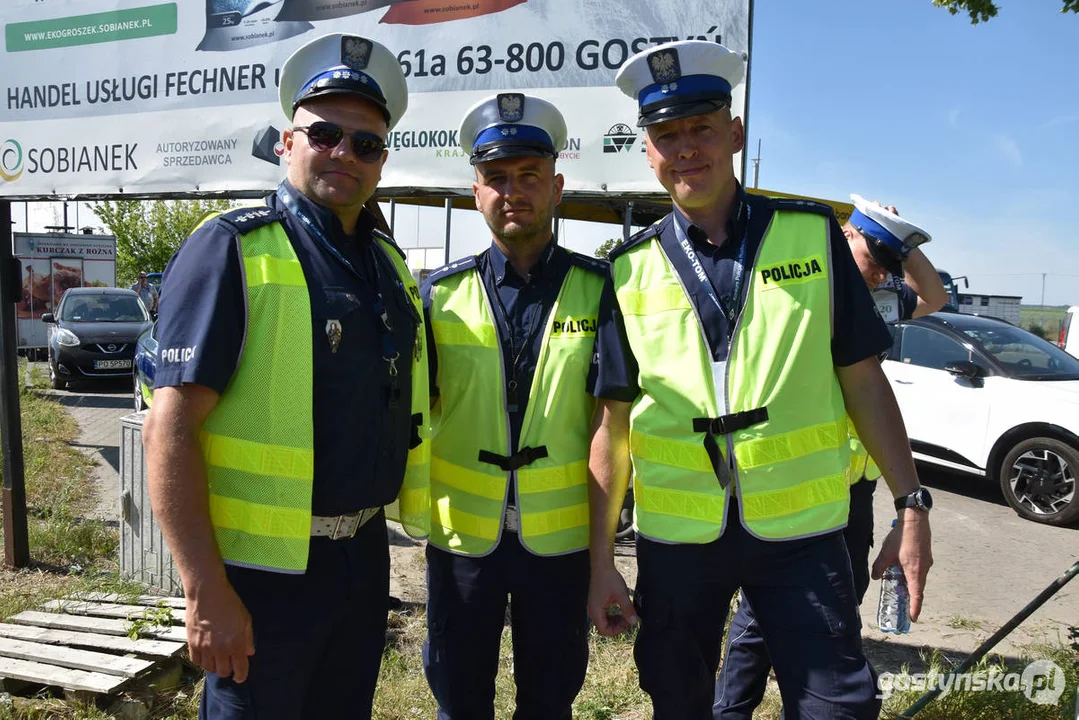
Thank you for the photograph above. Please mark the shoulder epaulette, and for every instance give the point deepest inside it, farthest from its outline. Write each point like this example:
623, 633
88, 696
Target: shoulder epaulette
393, 243
638, 238
600, 267
453, 268
801, 206
247, 219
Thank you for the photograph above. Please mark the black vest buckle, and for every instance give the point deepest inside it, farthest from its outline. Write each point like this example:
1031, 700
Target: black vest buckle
521, 458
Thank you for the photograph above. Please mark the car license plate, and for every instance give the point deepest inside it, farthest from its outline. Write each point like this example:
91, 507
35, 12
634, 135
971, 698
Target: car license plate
112, 364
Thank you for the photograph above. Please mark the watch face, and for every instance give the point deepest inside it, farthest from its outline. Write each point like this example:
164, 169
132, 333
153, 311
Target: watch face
924, 499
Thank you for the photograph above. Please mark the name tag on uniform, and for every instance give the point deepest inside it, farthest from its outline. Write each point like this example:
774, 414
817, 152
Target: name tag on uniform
887, 305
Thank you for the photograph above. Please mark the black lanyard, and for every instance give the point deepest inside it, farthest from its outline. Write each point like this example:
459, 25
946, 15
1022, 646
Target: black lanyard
378, 306
512, 399
731, 305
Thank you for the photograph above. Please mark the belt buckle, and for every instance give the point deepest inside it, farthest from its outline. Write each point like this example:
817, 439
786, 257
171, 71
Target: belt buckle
512, 521
346, 526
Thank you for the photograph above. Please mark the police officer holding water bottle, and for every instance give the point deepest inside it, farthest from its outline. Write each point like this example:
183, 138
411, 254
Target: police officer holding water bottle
736, 337
885, 247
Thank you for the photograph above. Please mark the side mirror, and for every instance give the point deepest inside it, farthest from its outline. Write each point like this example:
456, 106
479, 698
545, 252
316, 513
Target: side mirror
48, 318
964, 368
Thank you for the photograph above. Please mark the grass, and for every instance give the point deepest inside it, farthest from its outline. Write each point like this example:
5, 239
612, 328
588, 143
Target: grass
58, 494
960, 622
1048, 317
993, 704
68, 552
610, 690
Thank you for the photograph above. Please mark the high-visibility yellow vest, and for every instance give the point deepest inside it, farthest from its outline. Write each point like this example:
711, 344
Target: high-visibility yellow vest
791, 470
469, 495
862, 466
258, 442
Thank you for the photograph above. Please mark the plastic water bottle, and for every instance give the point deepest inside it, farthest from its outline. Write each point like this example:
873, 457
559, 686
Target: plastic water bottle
893, 612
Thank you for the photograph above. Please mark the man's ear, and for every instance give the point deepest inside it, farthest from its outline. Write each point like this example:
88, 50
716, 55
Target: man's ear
738, 135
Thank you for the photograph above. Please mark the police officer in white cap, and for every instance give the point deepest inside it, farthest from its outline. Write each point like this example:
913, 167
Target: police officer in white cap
885, 247
735, 338
511, 332
291, 405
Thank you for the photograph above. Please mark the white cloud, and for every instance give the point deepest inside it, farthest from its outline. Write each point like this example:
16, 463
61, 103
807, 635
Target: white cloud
1009, 148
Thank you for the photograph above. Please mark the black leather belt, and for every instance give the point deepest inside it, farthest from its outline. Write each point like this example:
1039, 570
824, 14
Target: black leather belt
516, 461
711, 427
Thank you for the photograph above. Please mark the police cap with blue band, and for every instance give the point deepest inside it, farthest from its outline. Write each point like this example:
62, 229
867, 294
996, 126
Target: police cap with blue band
888, 237
680, 79
339, 64
512, 125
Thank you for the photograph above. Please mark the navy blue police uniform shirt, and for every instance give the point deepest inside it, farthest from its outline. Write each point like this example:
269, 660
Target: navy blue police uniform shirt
521, 308
361, 435
858, 331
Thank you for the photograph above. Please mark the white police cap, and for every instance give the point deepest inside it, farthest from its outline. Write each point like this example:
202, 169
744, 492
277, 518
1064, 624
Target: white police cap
680, 79
512, 125
344, 64
888, 237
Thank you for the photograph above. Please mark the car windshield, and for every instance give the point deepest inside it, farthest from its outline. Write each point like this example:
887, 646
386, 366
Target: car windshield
103, 308
1024, 355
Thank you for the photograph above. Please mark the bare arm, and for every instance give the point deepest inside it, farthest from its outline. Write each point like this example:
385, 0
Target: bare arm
608, 480
218, 626
924, 280
871, 405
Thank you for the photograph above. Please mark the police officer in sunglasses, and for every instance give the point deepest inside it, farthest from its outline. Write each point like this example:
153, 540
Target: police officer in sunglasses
291, 406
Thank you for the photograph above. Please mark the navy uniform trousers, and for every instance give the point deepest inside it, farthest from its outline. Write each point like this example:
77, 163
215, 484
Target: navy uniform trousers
319, 636
801, 590
744, 674
466, 611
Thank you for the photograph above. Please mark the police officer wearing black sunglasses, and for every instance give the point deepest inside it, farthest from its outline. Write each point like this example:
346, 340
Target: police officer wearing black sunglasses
291, 405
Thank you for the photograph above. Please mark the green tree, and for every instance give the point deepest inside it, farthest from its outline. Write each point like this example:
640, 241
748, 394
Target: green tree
149, 232
982, 10
604, 250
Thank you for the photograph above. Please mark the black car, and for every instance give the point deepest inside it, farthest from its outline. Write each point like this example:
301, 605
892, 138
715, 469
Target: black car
92, 334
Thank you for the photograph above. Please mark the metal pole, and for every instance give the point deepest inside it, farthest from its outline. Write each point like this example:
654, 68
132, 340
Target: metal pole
627, 221
449, 210
999, 635
757, 164
1043, 291
749, 77
557, 214
16, 540
393, 213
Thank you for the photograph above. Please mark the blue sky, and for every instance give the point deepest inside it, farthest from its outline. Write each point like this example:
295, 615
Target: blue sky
970, 131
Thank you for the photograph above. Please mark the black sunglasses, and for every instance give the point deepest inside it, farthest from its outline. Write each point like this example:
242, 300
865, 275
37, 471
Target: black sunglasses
323, 136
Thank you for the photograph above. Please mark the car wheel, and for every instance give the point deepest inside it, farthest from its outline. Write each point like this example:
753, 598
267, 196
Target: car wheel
1038, 479
140, 403
55, 380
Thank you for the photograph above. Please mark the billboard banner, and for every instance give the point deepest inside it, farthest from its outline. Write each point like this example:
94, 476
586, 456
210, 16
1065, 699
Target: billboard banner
113, 97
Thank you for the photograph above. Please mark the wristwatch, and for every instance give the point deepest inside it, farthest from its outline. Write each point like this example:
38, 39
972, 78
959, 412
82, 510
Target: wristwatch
920, 499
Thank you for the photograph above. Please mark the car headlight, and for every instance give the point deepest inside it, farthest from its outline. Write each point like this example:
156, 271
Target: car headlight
66, 337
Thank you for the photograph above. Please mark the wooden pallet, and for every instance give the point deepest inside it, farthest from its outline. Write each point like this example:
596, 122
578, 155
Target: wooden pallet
82, 643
